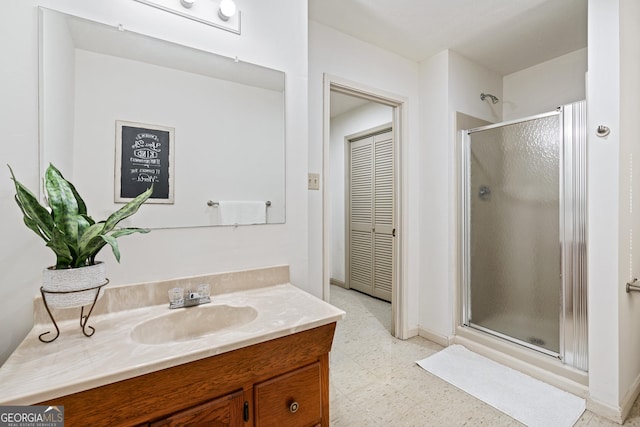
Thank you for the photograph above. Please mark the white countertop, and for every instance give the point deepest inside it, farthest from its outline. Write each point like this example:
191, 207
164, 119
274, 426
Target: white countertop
37, 371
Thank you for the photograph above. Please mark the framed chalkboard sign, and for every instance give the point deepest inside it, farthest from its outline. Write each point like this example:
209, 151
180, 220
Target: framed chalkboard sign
144, 156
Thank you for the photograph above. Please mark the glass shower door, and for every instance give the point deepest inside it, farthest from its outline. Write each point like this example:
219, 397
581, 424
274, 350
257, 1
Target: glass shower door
513, 216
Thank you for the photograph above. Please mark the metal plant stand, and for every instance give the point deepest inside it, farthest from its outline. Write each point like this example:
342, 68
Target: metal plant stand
83, 318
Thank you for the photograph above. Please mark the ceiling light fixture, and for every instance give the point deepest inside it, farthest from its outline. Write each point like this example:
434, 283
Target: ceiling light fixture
227, 9
187, 3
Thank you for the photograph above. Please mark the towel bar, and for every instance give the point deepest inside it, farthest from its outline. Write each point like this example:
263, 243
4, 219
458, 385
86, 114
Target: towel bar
212, 203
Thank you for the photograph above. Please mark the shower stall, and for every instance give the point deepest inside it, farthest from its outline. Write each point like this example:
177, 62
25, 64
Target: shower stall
524, 232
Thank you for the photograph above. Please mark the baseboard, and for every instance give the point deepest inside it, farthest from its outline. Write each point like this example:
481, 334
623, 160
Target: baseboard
414, 332
338, 283
606, 411
629, 399
435, 337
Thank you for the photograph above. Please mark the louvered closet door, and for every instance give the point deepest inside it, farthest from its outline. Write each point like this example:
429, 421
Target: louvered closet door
361, 216
383, 216
371, 215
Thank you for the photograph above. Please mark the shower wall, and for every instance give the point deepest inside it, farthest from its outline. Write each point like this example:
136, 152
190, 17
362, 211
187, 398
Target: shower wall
514, 259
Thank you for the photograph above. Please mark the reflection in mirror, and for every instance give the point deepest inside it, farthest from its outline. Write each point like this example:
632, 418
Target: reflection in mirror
227, 119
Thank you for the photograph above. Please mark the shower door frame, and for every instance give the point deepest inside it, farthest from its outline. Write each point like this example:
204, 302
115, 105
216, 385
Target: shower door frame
572, 235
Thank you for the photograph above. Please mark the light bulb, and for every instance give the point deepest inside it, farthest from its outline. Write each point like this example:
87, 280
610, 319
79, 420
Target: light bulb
227, 9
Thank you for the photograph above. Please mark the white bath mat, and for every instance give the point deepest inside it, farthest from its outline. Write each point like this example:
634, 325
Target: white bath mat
528, 400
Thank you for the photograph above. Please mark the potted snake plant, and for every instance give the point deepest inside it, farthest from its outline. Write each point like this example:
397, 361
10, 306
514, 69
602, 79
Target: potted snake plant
74, 237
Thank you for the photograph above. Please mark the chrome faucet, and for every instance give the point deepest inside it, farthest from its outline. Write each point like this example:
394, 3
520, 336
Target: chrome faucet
191, 299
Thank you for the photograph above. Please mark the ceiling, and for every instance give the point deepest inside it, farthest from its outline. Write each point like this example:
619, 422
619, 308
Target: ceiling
503, 35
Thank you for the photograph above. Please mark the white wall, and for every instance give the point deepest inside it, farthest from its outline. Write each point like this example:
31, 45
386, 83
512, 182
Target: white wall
545, 86
274, 34
467, 80
629, 316
603, 89
613, 84
360, 119
436, 290
343, 56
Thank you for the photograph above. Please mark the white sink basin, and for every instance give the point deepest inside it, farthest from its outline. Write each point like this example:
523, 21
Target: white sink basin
186, 324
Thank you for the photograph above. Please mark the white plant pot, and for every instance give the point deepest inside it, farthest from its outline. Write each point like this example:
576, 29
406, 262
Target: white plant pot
72, 280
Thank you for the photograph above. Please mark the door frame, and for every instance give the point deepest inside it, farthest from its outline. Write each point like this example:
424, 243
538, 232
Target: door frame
399, 302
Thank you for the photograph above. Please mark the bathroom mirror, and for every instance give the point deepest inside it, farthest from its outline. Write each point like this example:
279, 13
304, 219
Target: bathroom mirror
225, 124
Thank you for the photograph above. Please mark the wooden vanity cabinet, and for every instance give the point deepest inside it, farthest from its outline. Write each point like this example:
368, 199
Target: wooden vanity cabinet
226, 411
282, 382
292, 399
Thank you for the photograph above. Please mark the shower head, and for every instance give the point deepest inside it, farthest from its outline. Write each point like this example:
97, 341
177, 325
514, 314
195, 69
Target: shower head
494, 99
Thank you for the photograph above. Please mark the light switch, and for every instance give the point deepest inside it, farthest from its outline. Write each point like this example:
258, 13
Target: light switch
314, 181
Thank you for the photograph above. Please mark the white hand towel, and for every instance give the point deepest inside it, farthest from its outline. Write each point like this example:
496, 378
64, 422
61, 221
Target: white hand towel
239, 212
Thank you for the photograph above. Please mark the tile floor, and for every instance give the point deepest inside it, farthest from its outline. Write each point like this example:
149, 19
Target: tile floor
376, 382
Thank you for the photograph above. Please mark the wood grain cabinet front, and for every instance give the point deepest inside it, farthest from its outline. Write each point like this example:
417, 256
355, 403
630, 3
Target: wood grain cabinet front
226, 411
283, 382
292, 399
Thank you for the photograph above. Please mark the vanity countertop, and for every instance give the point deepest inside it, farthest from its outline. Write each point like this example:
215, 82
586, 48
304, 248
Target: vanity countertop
36, 371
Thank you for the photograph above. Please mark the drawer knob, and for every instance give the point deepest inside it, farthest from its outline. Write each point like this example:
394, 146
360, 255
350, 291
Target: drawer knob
293, 407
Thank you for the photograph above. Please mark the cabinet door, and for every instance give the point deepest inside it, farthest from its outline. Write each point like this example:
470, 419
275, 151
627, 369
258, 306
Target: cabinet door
222, 412
292, 399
